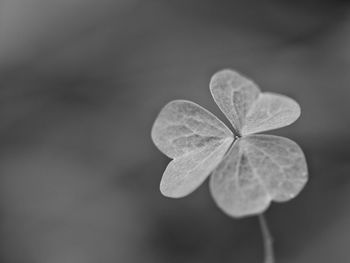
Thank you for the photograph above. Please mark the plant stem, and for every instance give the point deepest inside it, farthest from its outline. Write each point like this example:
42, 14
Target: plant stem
267, 240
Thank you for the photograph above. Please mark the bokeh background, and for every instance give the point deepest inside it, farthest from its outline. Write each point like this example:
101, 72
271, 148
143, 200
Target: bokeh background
81, 82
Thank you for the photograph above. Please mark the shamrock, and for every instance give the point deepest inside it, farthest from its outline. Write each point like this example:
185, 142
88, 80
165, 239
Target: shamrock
249, 170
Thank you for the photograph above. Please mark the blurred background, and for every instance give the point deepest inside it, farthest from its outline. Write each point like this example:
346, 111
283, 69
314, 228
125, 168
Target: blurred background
81, 82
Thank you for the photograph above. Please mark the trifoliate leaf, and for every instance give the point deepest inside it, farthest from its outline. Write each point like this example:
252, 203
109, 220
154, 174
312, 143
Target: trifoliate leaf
257, 170
249, 173
197, 141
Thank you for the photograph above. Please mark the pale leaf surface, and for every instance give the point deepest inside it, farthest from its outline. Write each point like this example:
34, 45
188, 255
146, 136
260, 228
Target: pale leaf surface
270, 111
184, 174
257, 170
183, 127
234, 94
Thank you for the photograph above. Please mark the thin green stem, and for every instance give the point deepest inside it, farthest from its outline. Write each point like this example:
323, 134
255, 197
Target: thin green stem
267, 240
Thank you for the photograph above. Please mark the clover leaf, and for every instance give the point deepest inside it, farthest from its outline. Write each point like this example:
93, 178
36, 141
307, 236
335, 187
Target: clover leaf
248, 170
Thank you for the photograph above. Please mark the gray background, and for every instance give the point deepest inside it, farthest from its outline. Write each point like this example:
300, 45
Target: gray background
81, 82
